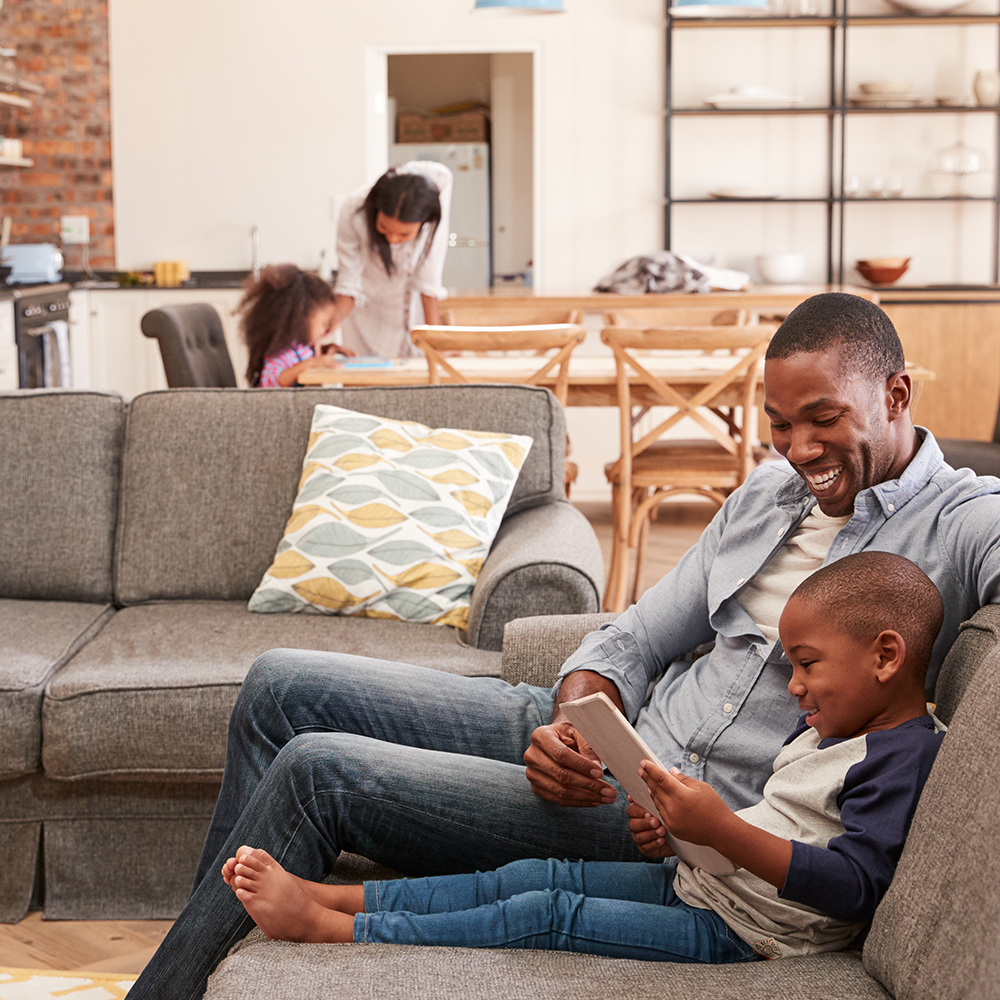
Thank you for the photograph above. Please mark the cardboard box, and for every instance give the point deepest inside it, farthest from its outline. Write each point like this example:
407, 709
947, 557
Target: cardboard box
470, 126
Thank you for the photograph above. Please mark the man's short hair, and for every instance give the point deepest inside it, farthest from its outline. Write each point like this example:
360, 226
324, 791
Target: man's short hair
863, 333
868, 592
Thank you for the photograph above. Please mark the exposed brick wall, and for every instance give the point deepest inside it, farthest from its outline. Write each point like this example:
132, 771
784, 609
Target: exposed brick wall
62, 45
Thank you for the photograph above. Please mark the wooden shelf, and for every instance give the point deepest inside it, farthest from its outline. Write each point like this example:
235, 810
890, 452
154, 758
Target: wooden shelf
859, 20
19, 83
15, 99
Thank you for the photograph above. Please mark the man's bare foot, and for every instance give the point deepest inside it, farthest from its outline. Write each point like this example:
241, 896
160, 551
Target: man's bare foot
279, 905
346, 898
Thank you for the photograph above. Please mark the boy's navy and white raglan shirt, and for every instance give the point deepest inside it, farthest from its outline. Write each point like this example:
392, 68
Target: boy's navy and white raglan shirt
846, 805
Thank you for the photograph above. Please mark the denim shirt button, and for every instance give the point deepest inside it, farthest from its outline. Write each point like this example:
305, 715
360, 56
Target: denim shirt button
694, 758
727, 708
892, 506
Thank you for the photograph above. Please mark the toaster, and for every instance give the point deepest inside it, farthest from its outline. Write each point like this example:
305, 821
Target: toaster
32, 262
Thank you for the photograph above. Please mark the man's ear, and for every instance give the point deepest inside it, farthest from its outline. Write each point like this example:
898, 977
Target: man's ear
898, 394
890, 651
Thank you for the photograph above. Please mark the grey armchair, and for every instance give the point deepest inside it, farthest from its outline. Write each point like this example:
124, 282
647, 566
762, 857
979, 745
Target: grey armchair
192, 345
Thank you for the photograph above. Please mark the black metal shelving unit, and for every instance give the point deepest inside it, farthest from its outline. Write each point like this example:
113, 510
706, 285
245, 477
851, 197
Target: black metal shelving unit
837, 111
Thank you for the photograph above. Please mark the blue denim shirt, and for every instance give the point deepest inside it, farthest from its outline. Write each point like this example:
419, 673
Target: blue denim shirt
723, 717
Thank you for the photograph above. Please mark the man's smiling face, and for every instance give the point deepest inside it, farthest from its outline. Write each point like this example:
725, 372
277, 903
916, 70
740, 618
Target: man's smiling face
836, 430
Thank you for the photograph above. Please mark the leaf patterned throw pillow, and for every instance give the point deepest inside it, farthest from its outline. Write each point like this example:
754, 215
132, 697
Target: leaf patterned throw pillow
392, 520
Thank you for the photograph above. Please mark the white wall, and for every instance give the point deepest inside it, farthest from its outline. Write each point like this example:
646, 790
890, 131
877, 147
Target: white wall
226, 114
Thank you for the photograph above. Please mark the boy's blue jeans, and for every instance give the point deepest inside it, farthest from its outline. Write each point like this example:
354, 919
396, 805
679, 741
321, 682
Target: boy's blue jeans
618, 909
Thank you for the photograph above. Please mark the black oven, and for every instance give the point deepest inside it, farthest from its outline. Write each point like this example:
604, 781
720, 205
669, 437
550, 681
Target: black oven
41, 328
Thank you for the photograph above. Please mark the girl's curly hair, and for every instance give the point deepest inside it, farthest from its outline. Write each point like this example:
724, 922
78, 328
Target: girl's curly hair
275, 312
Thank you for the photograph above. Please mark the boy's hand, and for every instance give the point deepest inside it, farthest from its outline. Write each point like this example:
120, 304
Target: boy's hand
690, 809
647, 831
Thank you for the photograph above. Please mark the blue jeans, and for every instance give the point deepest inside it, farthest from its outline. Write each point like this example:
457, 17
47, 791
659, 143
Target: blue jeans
414, 768
623, 910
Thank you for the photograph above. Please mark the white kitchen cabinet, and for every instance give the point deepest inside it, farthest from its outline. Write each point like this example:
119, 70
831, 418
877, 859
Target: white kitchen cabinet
8, 346
121, 357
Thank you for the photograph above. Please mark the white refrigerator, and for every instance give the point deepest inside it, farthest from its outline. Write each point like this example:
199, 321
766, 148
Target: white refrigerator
468, 263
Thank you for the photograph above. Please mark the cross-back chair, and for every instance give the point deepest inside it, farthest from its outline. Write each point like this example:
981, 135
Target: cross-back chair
509, 314
670, 316
652, 468
552, 345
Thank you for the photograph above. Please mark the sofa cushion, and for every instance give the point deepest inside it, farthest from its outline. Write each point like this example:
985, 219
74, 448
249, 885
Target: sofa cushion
209, 475
59, 461
36, 638
151, 694
393, 519
935, 932
277, 970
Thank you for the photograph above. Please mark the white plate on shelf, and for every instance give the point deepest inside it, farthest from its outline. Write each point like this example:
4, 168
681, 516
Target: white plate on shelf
729, 102
718, 10
745, 193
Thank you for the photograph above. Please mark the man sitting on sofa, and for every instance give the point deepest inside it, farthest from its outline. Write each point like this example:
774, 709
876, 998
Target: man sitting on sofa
424, 771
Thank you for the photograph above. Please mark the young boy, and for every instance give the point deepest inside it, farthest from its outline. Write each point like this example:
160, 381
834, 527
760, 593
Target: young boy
814, 856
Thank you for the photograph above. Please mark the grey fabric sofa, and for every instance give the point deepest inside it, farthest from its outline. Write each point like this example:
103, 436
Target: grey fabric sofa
935, 935
131, 537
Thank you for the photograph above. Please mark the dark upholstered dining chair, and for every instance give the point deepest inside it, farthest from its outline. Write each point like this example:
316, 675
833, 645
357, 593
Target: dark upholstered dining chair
192, 345
983, 457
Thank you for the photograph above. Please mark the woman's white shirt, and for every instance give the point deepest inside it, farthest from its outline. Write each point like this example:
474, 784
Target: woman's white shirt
387, 306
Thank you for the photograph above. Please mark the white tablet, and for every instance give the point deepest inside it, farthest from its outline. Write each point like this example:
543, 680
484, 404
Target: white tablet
621, 749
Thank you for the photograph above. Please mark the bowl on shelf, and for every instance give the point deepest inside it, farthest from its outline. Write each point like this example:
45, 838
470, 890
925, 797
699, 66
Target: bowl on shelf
885, 88
883, 270
928, 6
781, 268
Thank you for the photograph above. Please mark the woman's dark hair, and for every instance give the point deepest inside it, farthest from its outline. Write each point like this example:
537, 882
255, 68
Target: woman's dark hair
407, 198
275, 312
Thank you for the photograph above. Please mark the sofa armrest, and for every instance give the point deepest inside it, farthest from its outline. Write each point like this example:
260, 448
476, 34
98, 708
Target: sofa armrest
544, 560
535, 648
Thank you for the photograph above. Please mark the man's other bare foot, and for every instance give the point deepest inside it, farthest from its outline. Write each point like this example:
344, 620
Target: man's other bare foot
279, 905
346, 898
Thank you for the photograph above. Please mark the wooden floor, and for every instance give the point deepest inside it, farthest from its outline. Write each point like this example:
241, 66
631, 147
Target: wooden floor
127, 945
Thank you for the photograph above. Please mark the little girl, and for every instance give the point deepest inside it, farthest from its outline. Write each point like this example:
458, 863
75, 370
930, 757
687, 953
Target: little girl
286, 314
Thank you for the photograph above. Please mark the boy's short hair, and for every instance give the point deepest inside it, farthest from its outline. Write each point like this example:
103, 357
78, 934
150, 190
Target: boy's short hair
868, 592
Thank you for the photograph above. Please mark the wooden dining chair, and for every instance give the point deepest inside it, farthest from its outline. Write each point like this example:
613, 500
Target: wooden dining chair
509, 314
652, 468
666, 316
543, 347
551, 344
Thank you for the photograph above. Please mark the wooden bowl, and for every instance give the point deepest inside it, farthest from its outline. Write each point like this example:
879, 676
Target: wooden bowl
883, 271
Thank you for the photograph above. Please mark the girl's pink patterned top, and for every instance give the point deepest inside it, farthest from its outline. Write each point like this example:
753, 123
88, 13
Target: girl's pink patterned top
275, 364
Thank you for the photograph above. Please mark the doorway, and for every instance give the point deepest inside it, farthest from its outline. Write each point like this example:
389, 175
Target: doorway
500, 87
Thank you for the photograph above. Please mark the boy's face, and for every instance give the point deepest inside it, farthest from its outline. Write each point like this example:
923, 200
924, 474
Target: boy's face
833, 674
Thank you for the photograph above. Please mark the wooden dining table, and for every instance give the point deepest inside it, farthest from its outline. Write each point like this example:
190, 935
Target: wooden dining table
592, 379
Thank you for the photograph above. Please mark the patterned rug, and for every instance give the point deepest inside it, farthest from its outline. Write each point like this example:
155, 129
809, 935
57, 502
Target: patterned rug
41, 984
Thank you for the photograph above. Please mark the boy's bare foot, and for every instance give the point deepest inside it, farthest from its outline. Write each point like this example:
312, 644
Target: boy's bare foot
279, 905
346, 898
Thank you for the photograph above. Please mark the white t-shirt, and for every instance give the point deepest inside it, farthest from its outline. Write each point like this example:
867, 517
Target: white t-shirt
765, 596
387, 306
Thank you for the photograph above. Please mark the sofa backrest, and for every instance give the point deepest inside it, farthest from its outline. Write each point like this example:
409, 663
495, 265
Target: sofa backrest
209, 475
60, 453
937, 932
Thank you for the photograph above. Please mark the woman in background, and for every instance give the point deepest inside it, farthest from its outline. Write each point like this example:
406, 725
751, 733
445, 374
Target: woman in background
391, 244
